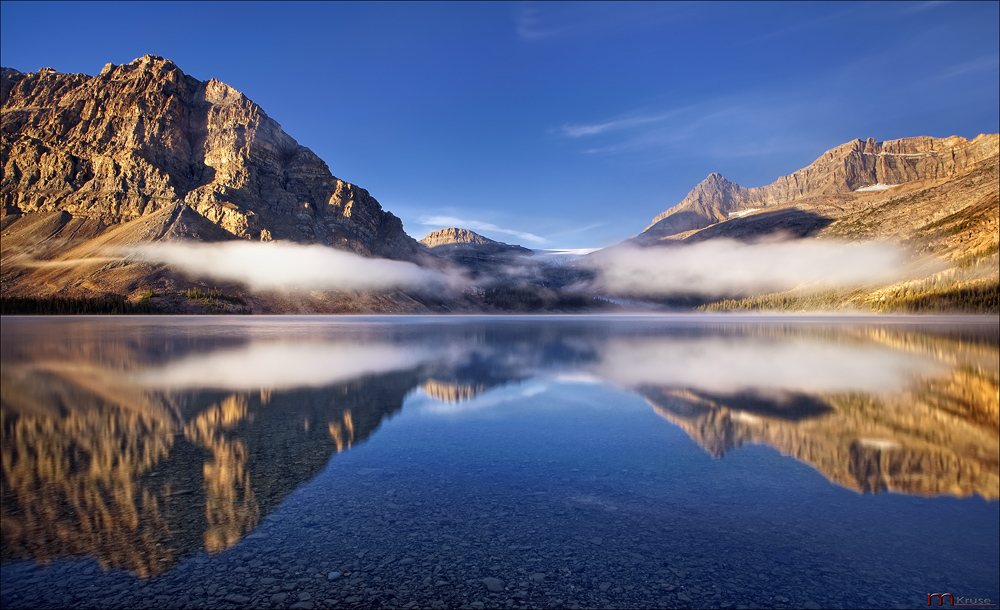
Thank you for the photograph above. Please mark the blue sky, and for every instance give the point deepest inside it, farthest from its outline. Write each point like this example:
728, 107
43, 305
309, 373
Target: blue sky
555, 125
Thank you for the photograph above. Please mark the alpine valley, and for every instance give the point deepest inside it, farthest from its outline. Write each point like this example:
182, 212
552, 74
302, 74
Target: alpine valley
144, 154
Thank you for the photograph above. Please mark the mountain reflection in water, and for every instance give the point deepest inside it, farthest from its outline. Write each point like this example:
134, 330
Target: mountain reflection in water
142, 441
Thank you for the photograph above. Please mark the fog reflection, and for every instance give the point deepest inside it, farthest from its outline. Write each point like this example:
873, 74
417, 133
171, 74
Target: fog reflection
731, 364
279, 366
144, 442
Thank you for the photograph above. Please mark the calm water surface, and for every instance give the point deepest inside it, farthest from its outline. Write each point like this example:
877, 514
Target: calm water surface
470, 462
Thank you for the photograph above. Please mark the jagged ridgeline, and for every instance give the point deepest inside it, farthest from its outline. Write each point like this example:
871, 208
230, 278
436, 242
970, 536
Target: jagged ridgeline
144, 137
936, 198
865, 172
143, 152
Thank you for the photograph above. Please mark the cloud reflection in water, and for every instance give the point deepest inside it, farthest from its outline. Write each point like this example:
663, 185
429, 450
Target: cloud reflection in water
280, 366
873, 408
741, 363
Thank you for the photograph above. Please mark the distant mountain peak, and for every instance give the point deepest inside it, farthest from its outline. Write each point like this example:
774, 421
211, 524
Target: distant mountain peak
455, 235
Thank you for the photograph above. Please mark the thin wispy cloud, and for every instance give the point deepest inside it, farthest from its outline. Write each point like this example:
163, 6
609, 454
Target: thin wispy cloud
721, 125
636, 133
579, 131
531, 25
980, 64
446, 222
784, 32
536, 22
918, 7
746, 124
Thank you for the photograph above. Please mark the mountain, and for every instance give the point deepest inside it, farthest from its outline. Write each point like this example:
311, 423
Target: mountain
858, 171
937, 198
456, 236
143, 152
471, 251
475, 254
504, 277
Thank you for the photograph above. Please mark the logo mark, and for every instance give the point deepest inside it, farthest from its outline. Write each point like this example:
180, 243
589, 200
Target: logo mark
958, 600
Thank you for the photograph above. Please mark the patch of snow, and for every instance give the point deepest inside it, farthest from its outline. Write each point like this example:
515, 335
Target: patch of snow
875, 187
744, 417
743, 212
881, 444
885, 154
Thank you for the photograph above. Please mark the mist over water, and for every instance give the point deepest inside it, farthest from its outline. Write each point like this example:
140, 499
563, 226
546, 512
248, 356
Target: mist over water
272, 266
721, 267
712, 268
733, 364
595, 461
279, 366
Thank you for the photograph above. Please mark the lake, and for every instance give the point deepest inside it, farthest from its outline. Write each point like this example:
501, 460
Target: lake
500, 462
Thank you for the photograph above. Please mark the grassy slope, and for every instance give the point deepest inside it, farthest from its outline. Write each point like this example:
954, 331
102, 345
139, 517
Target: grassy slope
955, 221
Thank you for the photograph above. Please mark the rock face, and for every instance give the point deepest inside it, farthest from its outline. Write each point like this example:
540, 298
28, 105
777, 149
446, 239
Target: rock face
858, 166
477, 255
456, 236
465, 237
142, 137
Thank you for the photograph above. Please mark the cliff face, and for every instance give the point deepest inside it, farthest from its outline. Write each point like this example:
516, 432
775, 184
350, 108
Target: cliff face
856, 167
142, 137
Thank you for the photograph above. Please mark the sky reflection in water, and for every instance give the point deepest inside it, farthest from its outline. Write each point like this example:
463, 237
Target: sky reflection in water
147, 443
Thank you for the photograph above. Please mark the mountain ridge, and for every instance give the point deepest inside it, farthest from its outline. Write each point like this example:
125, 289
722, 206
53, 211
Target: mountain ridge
144, 135
457, 235
143, 152
839, 171
92, 161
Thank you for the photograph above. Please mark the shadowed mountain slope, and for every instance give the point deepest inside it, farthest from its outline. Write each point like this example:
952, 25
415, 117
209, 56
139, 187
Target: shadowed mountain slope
859, 171
937, 199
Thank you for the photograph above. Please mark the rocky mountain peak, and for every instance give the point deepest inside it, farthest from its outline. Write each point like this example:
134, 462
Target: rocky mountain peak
840, 171
456, 235
143, 136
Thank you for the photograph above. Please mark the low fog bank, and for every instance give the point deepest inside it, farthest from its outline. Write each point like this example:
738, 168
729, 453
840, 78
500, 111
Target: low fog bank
272, 266
722, 267
697, 272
